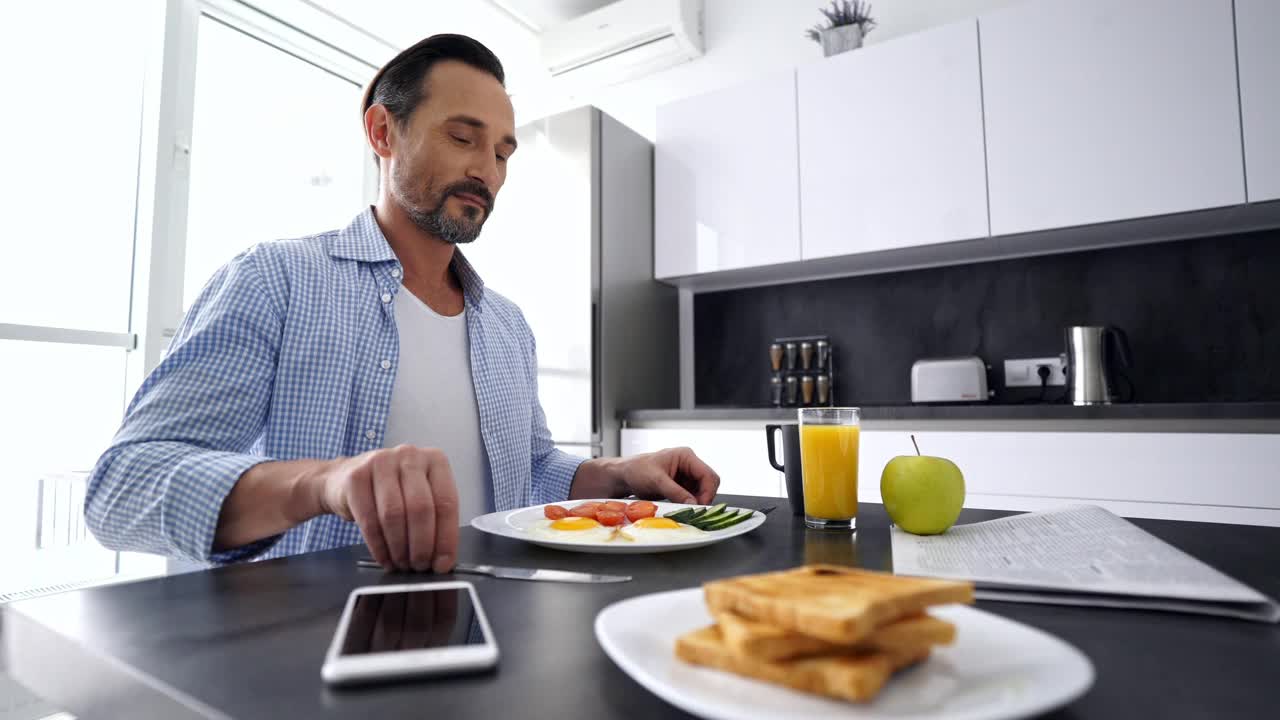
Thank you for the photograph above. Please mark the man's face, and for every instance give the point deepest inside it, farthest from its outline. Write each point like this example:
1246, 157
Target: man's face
450, 158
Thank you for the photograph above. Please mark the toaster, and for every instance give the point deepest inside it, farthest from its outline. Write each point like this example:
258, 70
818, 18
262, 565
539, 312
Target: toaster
958, 379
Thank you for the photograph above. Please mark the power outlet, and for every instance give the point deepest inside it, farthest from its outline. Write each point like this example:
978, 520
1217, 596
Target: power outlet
1024, 372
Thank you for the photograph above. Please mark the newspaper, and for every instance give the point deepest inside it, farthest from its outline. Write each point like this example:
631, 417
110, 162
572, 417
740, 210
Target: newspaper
1080, 555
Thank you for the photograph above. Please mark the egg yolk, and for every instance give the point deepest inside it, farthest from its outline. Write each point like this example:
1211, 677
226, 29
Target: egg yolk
657, 522
574, 523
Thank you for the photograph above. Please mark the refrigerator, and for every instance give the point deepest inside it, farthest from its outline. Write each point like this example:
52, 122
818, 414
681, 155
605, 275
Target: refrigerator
571, 242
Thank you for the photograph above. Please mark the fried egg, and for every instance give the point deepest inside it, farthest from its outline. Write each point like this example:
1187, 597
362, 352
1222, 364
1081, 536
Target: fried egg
573, 529
655, 530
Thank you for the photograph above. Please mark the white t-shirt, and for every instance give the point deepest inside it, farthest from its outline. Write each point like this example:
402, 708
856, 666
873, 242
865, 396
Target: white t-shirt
433, 401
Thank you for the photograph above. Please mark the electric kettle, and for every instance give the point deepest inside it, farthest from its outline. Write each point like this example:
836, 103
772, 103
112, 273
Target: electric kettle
1096, 359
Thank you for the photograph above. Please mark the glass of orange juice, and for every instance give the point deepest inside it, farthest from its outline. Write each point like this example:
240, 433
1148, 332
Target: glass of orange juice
829, 465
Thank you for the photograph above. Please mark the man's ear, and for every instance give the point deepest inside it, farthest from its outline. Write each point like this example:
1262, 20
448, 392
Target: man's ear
378, 130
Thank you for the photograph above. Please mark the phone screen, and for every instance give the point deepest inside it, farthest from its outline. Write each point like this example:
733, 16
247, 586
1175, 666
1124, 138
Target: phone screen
418, 620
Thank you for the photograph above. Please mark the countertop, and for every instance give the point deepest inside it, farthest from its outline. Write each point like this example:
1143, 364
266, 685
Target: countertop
247, 641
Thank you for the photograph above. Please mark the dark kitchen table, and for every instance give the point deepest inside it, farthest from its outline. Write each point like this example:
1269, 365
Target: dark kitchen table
248, 641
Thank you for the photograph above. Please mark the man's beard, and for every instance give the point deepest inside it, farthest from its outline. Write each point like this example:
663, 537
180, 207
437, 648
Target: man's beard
438, 222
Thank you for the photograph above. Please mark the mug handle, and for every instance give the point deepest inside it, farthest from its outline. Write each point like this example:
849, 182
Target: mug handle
769, 431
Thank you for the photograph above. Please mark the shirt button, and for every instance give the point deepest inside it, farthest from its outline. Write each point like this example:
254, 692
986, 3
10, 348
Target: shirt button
385, 364
386, 297
371, 434
395, 272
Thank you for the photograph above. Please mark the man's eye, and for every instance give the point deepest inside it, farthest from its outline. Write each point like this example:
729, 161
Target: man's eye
462, 140
501, 158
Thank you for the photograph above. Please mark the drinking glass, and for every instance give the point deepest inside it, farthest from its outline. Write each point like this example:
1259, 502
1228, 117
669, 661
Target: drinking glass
829, 462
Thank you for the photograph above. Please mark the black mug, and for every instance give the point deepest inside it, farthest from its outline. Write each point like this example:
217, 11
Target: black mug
791, 450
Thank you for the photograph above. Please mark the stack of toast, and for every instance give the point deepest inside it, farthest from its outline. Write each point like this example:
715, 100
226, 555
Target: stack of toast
825, 629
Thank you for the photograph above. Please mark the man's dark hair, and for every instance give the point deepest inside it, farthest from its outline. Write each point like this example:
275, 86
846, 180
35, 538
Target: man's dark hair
400, 85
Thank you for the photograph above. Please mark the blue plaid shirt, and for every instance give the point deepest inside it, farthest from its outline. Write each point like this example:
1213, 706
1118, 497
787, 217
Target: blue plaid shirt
290, 352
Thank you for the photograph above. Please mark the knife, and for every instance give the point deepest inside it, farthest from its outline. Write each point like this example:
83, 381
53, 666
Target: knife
514, 573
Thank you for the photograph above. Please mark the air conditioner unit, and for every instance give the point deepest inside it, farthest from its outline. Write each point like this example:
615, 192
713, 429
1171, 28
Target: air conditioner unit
622, 41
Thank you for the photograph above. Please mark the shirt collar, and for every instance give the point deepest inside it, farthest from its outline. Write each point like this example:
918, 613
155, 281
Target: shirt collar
472, 285
363, 241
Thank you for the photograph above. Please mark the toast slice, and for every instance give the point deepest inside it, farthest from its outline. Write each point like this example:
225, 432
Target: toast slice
848, 676
838, 604
766, 642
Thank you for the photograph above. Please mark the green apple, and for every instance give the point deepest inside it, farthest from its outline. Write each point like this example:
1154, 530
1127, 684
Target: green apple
923, 494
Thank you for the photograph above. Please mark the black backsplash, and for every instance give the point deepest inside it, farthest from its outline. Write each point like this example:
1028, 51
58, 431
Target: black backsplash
1203, 319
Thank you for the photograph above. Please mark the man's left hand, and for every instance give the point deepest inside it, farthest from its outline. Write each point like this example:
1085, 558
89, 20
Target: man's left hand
674, 474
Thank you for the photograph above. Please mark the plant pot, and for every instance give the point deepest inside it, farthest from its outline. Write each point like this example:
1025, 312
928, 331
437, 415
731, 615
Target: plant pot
841, 39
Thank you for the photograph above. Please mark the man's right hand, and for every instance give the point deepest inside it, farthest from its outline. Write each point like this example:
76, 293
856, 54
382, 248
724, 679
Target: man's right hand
404, 500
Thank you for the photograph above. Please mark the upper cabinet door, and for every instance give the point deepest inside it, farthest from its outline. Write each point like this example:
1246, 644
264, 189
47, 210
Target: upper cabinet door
1104, 110
725, 179
891, 150
1256, 24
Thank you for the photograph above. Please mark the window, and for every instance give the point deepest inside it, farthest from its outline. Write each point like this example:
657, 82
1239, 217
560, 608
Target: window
111, 229
277, 150
68, 176
70, 162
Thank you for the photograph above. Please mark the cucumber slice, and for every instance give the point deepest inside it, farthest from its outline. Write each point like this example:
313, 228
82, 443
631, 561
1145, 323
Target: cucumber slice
729, 521
693, 516
698, 516
712, 518
710, 512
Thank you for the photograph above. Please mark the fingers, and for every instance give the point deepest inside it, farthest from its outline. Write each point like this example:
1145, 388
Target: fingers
365, 512
705, 480
406, 504
420, 509
444, 491
391, 509
666, 486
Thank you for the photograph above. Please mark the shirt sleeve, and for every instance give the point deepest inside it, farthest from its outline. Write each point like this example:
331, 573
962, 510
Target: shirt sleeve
188, 433
553, 469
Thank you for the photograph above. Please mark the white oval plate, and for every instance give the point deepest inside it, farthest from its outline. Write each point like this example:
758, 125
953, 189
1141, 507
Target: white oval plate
516, 524
996, 669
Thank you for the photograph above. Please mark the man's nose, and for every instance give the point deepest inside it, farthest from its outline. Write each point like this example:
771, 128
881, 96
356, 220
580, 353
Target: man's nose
486, 172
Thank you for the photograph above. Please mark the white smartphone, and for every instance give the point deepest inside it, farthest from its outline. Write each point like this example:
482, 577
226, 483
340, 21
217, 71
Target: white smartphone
399, 631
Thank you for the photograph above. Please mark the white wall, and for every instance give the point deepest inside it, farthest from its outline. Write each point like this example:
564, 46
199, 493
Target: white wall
744, 39
401, 23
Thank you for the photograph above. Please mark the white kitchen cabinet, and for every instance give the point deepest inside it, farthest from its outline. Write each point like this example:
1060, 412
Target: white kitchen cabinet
1257, 22
1106, 110
725, 179
891, 149
1211, 477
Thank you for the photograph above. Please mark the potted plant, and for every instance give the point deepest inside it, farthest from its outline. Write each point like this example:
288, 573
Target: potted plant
847, 22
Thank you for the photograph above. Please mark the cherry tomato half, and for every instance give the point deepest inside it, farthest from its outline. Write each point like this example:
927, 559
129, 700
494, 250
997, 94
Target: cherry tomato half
641, 509
587, 510
609, 517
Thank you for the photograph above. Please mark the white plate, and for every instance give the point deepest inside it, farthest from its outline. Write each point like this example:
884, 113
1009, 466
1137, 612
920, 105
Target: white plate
997, 668
516, 524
